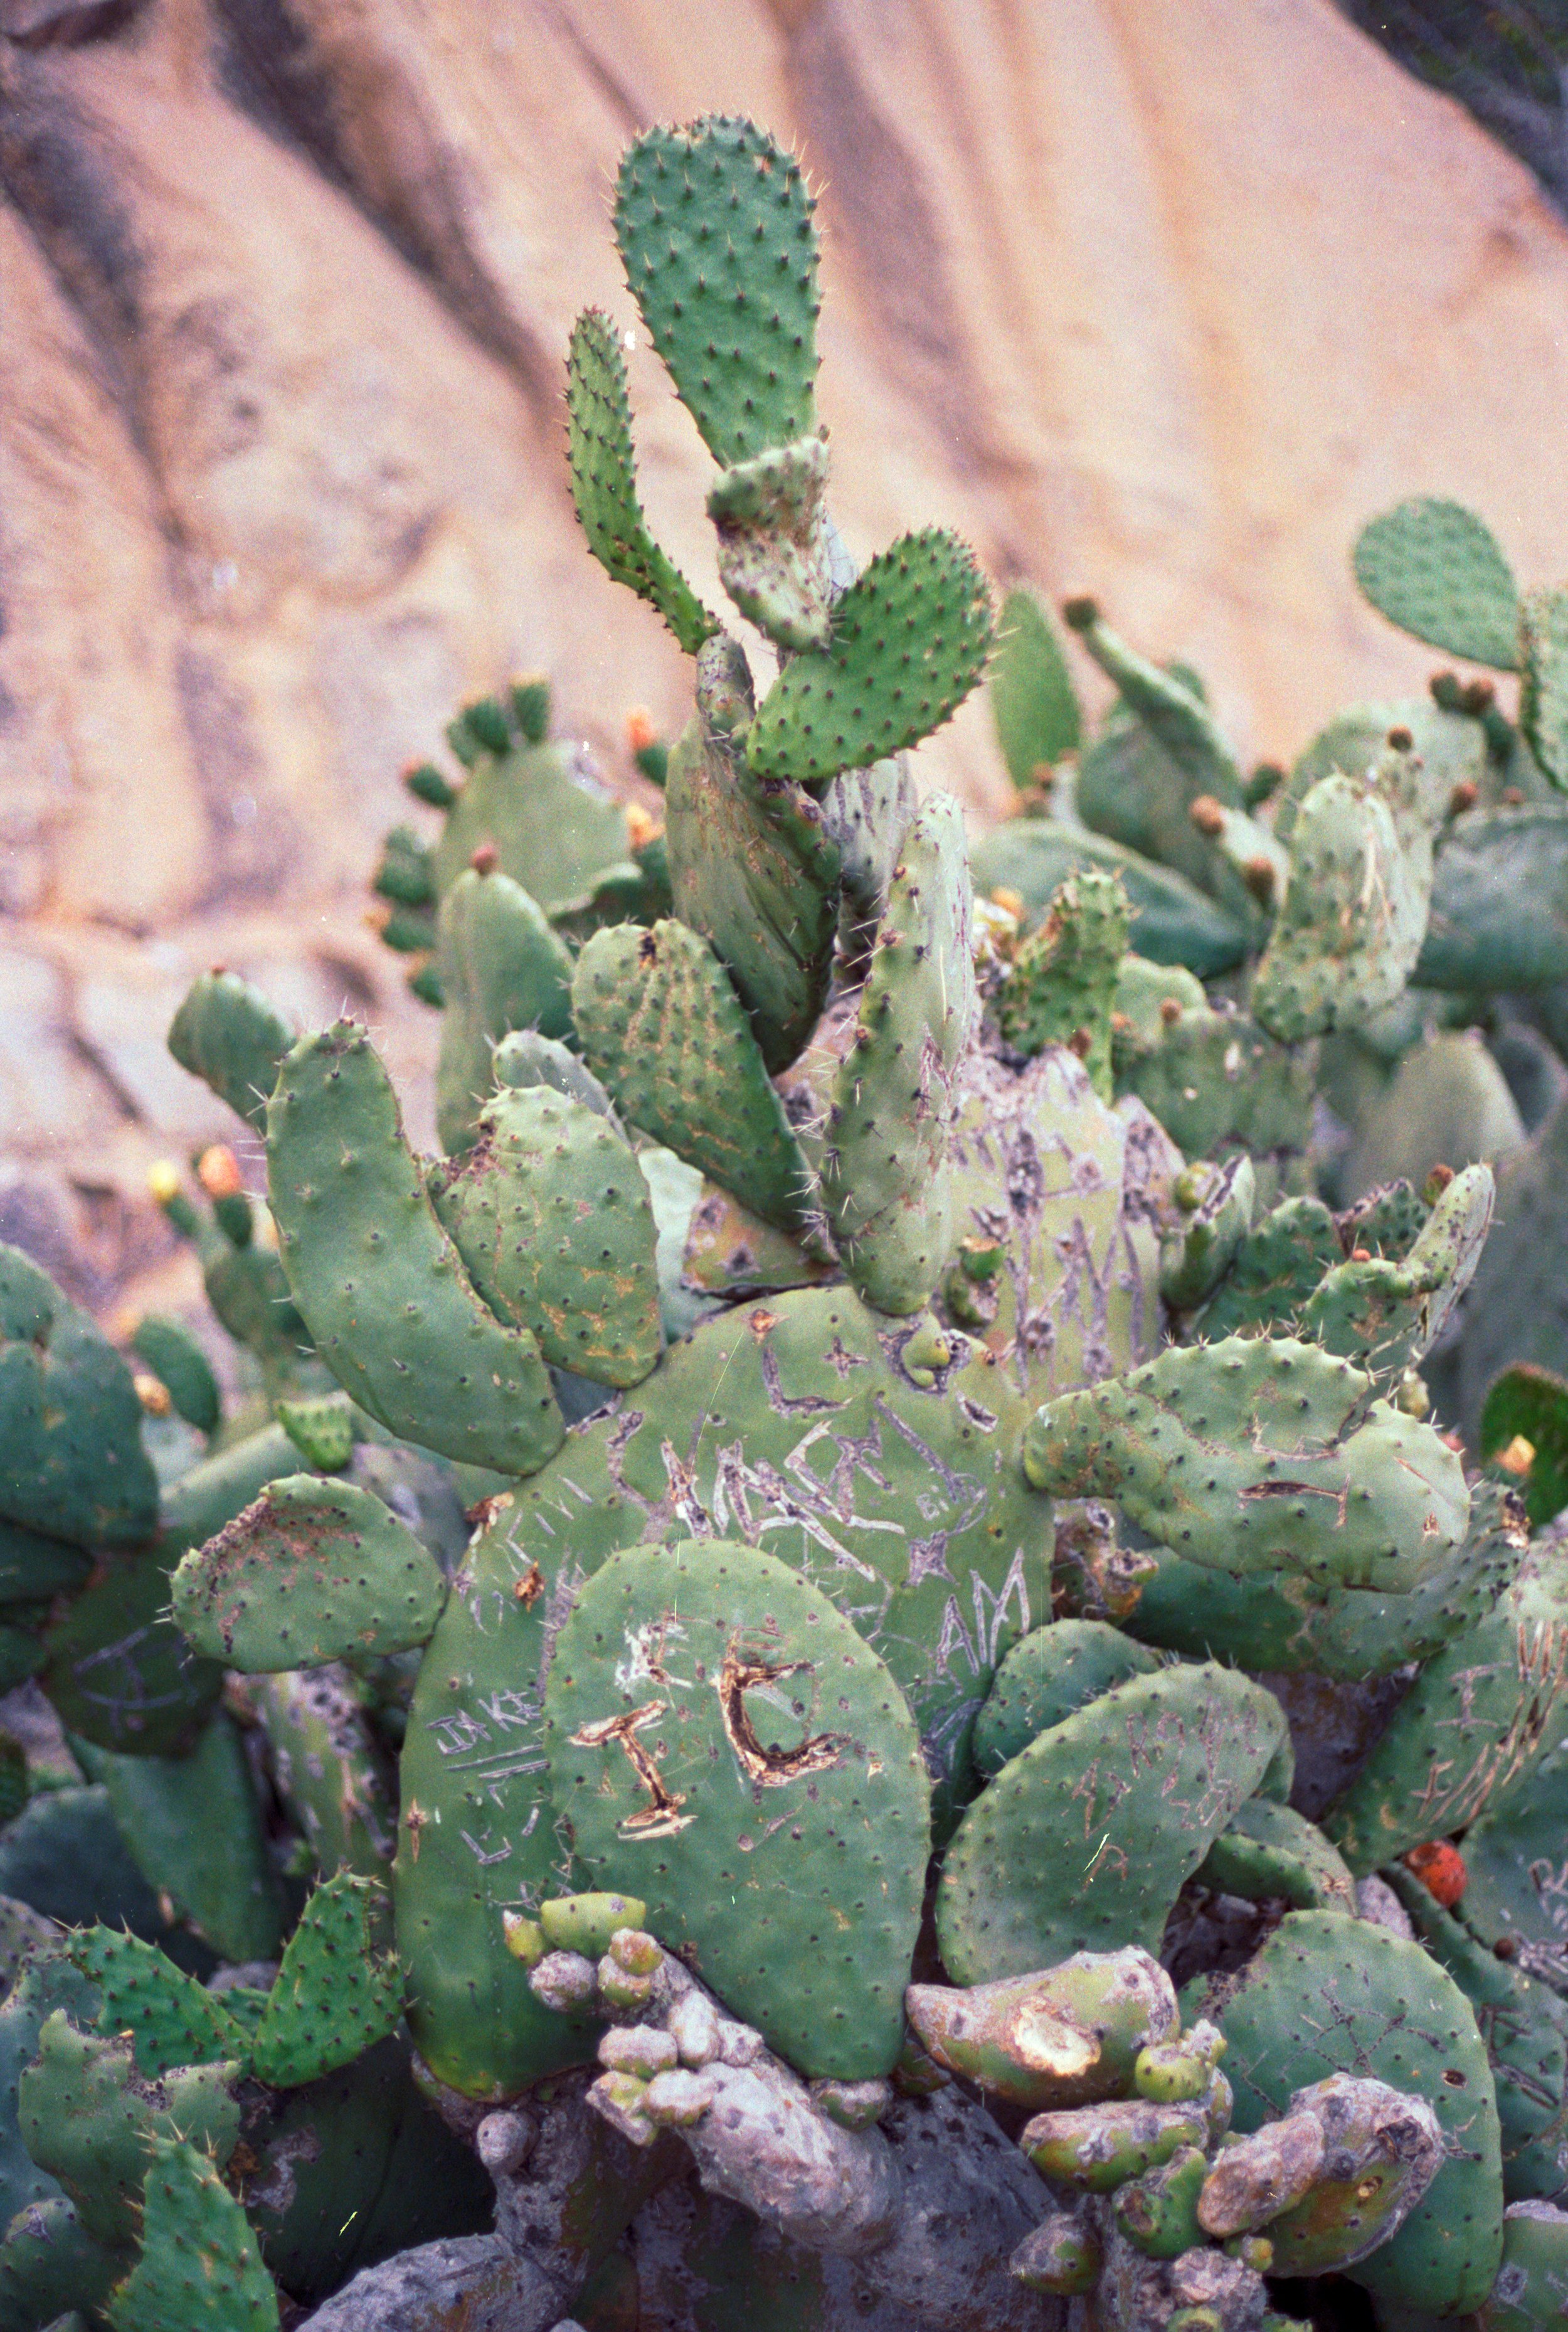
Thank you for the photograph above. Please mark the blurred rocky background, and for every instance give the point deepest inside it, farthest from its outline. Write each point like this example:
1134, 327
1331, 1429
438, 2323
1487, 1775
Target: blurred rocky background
1160, 298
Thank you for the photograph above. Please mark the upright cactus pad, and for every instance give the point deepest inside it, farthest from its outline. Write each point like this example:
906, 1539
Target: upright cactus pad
552, 1218
1353, 916
1258, 1456
605, 482
723, 1743
909, 641
1083, 1841
328, 1769
1064, 976
714, 223
1033, 702
501, 968
335, 1994
200, 2268
380, 1282
1544, 699
73, 1466
1435, 570
312, 1571
227, 1034
172, 2020
1385, 1315
773, 550
1053, 1671
885, 1175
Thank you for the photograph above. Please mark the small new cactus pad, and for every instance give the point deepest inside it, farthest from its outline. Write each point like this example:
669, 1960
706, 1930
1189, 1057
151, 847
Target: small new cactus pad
321, 1430
1084, 1840
1033, 702
177, 1358
312, 1571
85, 2115
1385, 1315
552, 1218
773, 549
885, 1177
660, 1024
73, 1465
1064, 2037
334, 1995
1277, 1621
1261, 1454
1214, 1213
1214, 1079
714, 223
911, 638
752, 868
1475, 1720
1543, 698
1354, 917
501, 968
200, 2268
723, 1743
1327, 1995
524, 1058
1435, 570
791, 1424
1064, 976
1053, 1671
1270, 1851
605, 482
378, 1280
171, 2019
227, 1034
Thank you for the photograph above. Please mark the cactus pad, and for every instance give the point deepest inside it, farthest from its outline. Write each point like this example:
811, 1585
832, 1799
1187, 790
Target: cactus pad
1353, 916
885, 1177
335, 1995
1053, 1671
1543, 698
1033, 702
73, 1465
200, 2268
714, 223
552, 1218
1269, 1851
1435, 570
722, 1741
1084, 1841
172, 2021
177, 1358
371, 1268
552, 827
1258, 1456
909, 641
501, 968
661, 1025
118, 1669
312, 1571
605, 482
227, 1034
773, 550
1064, 976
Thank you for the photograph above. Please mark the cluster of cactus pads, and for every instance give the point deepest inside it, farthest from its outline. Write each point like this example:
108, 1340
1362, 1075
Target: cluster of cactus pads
876, 1658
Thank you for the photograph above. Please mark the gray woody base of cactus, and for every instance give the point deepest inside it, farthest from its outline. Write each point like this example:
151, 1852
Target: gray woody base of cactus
836, 1674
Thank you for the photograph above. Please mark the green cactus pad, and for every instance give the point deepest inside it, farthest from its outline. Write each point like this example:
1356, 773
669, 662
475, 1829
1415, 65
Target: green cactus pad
1544, 697
773, 547
662, 1027
312, 1571
227, 1034
87, 2116
200, 2268
1473, 1725
885, 1178
1084, 1841
119, 1671
1033, 702
49, 2261
392, 1315
1497, 917
1285, 1623
34, 1568
1064, 976
1171, 706
1525, 2027
1385, 1315
552, 1218
552, 827
722, 1741
1435, 570
1353, 916
1270, 1850
909, 641
1215, 1207
1527, 2295
1518, 1870
1052, 1672
405, 875
525, 1059
171, 2020
326, 1768
1451, 747
714, 223
790, 1424
1261, 1456
501, 968
605, 482
1328, 1994
72, 1466
754, 869
335, 1995
1215, 1079
194, 1829
321, 1430
1173, 921
177, 1358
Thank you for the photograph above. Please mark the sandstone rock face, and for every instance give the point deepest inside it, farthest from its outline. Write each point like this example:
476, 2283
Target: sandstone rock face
1158, 300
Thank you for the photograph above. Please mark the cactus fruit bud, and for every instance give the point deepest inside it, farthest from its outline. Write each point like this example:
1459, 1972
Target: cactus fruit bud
1158, 2212
218, 1172
163, 1181
1078, 614
1060, 2256
153, 1394
485, 858
1399, 740
1440, 1868
1207, 815
587, 1923
1259, 875
525, 1939
1464, 797
563, 1981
